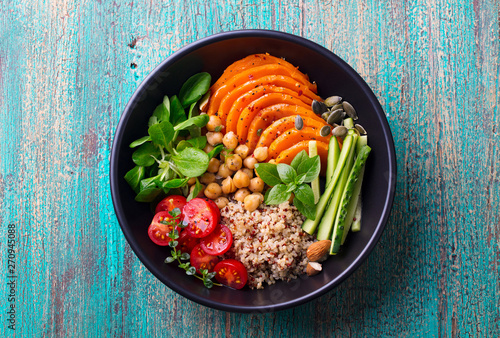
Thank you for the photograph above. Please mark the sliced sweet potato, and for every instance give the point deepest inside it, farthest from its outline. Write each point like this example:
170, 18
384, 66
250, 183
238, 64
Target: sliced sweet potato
222, 105
247, 99
248, 114
293, 136
287, 155
272, 113
280, 126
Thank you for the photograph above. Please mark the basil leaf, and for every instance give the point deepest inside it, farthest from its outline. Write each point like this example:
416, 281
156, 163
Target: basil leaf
191, 162
162, 133
148, 194
161, 112
268, 172
300, 179
134, 177
298, 159
311, 167
216, 151
199, 121
142, 156
176, 183
140, 141
194, 88
177, 113
306, 210
305, 194
278, 194
286, 173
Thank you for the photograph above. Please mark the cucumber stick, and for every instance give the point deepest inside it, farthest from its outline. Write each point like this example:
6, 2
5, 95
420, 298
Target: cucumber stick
309, 225
326, 225
333, 157
356, 223
340, 220
313, 151
353, 203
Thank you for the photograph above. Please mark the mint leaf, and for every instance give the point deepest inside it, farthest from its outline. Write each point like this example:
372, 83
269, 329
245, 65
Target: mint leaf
268, 172
298, 159
306, 210
305, 194
278, 194
286, 173
311, 167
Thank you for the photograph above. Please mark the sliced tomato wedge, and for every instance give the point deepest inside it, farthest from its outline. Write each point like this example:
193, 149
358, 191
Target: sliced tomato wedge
201, 260
169, 203
218, 242
232, 273
186, 242
215, 208
160, 227
200, 217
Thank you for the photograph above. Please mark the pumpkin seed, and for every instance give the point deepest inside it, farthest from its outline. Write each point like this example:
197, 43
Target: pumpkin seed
332, 100
324, 116
325, 131
335, 116
299, 123
318, 107
340, 131
360, 128
349, 109
337, 106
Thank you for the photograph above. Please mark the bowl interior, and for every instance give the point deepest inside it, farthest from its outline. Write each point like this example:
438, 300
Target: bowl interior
213, 55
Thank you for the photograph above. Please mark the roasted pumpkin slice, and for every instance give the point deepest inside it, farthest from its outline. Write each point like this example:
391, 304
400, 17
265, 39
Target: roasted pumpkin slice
293, 136
272, 113
248, 114
280, 126
287, 155
256, 73
222, 107
250, 61
247, 99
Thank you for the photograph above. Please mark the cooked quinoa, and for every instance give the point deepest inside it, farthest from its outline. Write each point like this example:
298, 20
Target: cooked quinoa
268, 241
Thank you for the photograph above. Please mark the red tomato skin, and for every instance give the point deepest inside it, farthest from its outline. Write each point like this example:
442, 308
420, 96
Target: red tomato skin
201, 260
200, 218
169, 203
218, 242
232, 273
158, 232
186, 242
215, 208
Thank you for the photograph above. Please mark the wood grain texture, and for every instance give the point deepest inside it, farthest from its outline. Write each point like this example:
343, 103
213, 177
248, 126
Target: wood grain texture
67, 69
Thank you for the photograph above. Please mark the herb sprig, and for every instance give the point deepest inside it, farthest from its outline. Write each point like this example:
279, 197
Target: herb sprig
294, 178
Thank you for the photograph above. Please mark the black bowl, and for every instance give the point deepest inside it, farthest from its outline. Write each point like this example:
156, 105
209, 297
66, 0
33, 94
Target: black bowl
334, 77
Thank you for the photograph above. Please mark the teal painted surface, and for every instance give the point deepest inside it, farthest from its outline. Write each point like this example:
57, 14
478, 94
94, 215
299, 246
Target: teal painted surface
66, 75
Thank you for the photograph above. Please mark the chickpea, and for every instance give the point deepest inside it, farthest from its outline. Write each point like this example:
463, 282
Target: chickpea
260, 196
241, 194
249, 172
251, 202
228, 186
225, 153
256, 184
200, 194
208, 148
242, 150
207, 178
192, 181
234, 162
214, 138
213, 165
250, 162
224, 171
272, 161
260, 154
221, 202
213, 191
214, 123
230, 140
241, 179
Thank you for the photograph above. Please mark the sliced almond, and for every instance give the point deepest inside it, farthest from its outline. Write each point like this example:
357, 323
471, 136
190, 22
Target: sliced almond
313, 268
318, 250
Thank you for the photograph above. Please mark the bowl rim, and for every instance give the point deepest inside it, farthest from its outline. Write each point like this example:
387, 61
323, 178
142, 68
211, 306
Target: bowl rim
256, 33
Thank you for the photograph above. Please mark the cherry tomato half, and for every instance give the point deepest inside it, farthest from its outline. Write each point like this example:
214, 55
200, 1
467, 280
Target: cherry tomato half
218, 242
169, 203
215, 208
161, 225
200, 217
232, 273
201, 260
186, 242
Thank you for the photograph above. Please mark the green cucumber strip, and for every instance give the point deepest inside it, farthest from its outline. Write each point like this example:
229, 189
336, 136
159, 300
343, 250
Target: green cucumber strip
340, 220
362, 141
333, 157
309, 225
356, 223
353, 203
326, 225
313, 151
349, 123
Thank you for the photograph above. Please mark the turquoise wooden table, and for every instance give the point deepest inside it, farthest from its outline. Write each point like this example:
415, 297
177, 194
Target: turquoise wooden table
67, 70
